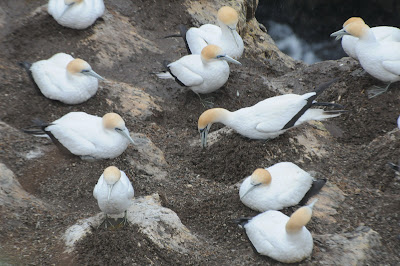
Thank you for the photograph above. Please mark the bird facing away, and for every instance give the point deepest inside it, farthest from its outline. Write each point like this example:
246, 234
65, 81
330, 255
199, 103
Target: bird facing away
270, 117
279, 186
63, 78
284, 239
76, 14
225, 36
87, 136
202, 73
381, 59
114, 193
382, 33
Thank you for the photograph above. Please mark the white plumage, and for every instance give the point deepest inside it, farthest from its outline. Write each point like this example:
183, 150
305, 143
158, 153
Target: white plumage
273, 235
202, 73
114, 198
225, 36
289, 183
76, 14
89, 136
266, 119
63, 78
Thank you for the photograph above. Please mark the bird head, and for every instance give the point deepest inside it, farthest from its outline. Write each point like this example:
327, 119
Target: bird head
81, 67
300, 218
354, 26
111, 176
206, 119
229, 17
214, 52
113, 121
259, 177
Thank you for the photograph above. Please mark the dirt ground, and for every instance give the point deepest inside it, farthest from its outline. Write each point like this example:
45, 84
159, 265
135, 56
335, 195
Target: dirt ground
199, 186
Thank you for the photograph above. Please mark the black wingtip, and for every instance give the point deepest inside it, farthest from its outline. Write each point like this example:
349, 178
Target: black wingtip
242, 221
166, 63
395, 167
38, 128
314, 190
324, 86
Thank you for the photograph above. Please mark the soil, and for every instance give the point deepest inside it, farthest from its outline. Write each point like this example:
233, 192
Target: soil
200, 182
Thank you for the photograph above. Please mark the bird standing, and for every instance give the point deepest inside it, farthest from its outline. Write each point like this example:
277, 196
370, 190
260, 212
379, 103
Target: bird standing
270, 117
114, 193
87, 136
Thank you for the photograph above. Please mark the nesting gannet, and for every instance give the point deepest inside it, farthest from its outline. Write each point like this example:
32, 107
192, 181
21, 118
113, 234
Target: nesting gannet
203, 73
284, 239
381, 59
113, 192
88, 136
225, 36
270, 117
281, 185
382, 33
76, 14
63, 78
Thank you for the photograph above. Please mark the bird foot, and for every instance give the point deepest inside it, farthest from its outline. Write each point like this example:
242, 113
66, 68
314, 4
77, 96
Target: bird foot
106, 223
375, 91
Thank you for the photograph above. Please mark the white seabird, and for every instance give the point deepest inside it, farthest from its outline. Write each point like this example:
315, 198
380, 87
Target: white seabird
76, 14
284, 239
114, 192
202, 73
270, 117
63, 78
381, 59
225, 36
87, 136
382, 33
279, 186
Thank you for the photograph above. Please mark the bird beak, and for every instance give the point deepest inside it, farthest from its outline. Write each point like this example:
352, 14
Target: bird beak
93, 74
311, 205
339, 34
125, 133
110, 187
230, 59
250, 189
68, 7
233, 34
203, 136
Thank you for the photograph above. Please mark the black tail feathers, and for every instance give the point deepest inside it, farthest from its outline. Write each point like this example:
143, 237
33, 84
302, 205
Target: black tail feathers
242, 221
38, 128
314, 190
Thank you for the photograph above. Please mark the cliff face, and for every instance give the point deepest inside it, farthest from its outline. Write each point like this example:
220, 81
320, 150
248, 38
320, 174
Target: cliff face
194, 191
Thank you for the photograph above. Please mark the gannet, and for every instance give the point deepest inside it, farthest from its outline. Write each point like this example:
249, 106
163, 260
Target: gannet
382, 33
281, 185
76, 14
225, 36
114, 193
270, 117
202, 73
284, 239
63, 78
88, 136
381, 59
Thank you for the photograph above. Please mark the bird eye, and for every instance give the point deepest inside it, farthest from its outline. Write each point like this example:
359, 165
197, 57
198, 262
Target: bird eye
85, 70
219, 56
118, 129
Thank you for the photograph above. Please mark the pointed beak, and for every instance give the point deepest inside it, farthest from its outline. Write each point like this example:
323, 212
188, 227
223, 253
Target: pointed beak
339, 34
230, 59
68, 6
233, 30
250, 189
93, 74
203, 136
311, 205
110, 187
125, 133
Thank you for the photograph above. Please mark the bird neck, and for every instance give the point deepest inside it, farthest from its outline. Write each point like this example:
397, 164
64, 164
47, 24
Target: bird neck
368, 35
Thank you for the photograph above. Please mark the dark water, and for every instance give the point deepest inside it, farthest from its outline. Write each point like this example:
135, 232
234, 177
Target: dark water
301, 28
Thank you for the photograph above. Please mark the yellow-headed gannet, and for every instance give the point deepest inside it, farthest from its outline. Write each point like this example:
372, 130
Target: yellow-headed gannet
114, 193
88, 136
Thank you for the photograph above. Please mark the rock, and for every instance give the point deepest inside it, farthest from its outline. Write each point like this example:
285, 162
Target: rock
117, 39
133, 100
161, 225
12, 195
351, 248
150, 158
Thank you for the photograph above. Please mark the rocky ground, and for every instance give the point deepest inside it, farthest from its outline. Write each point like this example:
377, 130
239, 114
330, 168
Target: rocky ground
43, 193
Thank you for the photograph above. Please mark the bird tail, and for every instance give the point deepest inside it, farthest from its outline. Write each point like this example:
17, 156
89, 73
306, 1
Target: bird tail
319, 114
182, 33
164, 75
38, 128
242, 221
314, 190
